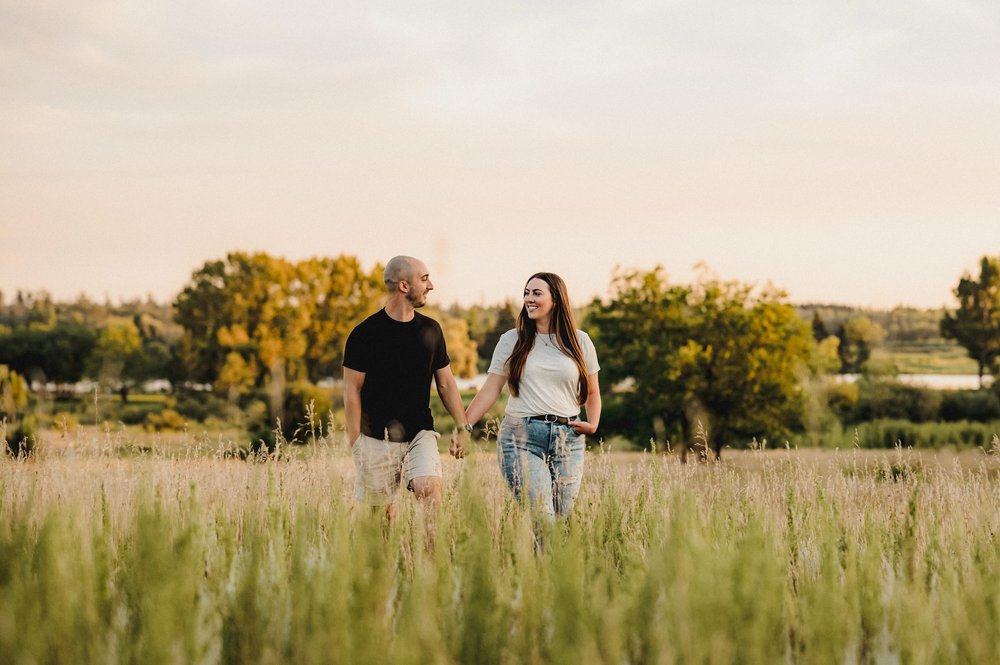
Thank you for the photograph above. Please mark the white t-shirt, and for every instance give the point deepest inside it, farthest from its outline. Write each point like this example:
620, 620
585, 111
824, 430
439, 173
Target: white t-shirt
550, 380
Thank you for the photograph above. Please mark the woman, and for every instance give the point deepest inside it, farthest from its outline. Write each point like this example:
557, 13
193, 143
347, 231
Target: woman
550, 368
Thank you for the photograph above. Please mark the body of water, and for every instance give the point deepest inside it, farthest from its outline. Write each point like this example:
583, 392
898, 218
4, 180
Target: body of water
937, 381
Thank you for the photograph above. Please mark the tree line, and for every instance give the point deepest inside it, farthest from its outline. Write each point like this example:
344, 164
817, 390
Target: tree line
712, 361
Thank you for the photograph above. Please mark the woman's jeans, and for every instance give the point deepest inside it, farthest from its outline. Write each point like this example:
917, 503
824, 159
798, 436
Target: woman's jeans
542, 461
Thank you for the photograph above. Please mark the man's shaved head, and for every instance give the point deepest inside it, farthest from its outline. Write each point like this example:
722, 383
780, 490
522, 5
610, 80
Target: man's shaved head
399, 268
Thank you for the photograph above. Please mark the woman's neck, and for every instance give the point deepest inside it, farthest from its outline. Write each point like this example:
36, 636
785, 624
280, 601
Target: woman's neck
542, 327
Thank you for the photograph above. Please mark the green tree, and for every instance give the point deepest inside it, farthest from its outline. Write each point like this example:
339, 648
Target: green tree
714, 360
505, 319
44, 352
16, 425
819, 327
116, 361
289, 321
976, 323
201, 309
858, 336
339, 293
462, 349
257, 326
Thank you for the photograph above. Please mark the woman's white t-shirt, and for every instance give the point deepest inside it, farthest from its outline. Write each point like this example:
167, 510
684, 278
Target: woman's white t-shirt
550, 380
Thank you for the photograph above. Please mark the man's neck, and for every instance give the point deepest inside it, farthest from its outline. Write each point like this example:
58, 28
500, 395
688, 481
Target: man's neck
399, 309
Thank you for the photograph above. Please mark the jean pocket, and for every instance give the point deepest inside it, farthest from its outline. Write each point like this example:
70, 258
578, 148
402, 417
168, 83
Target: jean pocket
513, 431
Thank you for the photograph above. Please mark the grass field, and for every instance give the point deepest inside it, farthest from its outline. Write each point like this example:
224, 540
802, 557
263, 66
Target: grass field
165, 554
927, 358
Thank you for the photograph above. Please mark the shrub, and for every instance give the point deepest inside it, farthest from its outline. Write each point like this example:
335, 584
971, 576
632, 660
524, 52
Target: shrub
136, 414
18, 426
976, 405
894, 400
168, 419
300, 400
842, 399
306, 404
888, 433
202, 405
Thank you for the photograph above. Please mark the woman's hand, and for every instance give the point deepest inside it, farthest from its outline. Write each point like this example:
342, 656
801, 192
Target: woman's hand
582, 427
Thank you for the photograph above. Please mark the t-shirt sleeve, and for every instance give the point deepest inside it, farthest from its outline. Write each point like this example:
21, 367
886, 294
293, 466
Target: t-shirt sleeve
589, 354
504, 347
356, 352
440, 358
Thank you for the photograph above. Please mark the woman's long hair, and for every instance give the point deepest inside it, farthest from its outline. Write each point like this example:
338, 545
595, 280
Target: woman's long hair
561, 325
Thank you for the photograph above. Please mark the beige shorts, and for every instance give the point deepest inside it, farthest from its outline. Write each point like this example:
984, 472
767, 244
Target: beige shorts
381, 465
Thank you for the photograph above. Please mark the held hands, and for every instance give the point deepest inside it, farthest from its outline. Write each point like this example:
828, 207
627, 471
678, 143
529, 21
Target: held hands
457, 447
582, 427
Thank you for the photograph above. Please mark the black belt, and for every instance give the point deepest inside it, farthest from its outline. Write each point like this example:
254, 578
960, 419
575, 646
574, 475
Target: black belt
549, 418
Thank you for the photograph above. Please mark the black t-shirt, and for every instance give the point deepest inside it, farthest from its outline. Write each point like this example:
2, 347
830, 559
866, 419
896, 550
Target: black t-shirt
399, 360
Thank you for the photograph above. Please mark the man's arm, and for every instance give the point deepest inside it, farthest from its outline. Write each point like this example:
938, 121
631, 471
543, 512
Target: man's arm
353, 380
452, 399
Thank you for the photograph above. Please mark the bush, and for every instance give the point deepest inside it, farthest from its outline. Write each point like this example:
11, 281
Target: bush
888, 433
975, 405
306, 405
618, 418
136, 414
894, 400
18, 425
202, 405
842, 399
168, 419
300, 400
21, 443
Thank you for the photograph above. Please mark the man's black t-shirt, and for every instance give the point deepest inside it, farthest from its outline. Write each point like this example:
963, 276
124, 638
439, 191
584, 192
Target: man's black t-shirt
399, 360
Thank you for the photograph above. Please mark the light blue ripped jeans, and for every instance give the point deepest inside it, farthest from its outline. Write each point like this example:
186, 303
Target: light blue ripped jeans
542, 459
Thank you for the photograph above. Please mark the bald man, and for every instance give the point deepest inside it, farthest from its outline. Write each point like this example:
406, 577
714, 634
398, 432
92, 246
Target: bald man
389, 362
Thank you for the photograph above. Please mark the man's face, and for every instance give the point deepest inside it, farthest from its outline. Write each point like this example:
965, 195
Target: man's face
419, 285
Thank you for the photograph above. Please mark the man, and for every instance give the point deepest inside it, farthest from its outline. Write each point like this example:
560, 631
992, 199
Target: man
389, 361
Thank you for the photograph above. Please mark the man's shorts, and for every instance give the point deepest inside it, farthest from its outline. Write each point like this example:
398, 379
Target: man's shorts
380, 465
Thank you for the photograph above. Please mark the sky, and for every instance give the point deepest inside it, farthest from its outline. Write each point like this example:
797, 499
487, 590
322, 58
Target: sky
846, 152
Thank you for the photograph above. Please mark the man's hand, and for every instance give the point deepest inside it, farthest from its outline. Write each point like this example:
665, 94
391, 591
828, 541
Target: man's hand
457, 447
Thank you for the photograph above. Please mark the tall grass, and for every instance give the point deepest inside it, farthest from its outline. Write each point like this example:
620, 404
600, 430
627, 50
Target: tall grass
770, 558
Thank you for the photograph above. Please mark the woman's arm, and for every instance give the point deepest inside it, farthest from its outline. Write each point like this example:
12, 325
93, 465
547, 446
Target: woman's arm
593, 408
485, 398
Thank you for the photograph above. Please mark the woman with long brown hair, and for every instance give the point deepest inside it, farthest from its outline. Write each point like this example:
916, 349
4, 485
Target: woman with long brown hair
550, 369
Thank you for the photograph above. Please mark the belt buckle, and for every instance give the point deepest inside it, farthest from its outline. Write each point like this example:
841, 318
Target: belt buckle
549, 418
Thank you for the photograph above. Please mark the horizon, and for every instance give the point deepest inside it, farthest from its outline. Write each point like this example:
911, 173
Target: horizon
6, 296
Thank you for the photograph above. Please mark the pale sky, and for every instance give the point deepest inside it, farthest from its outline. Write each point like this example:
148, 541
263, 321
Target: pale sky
844, 151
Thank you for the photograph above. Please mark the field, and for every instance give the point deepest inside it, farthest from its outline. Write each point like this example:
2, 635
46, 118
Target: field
113, 551
938, 357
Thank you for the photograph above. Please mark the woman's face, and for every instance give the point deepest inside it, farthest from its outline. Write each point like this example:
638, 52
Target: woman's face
538, 300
